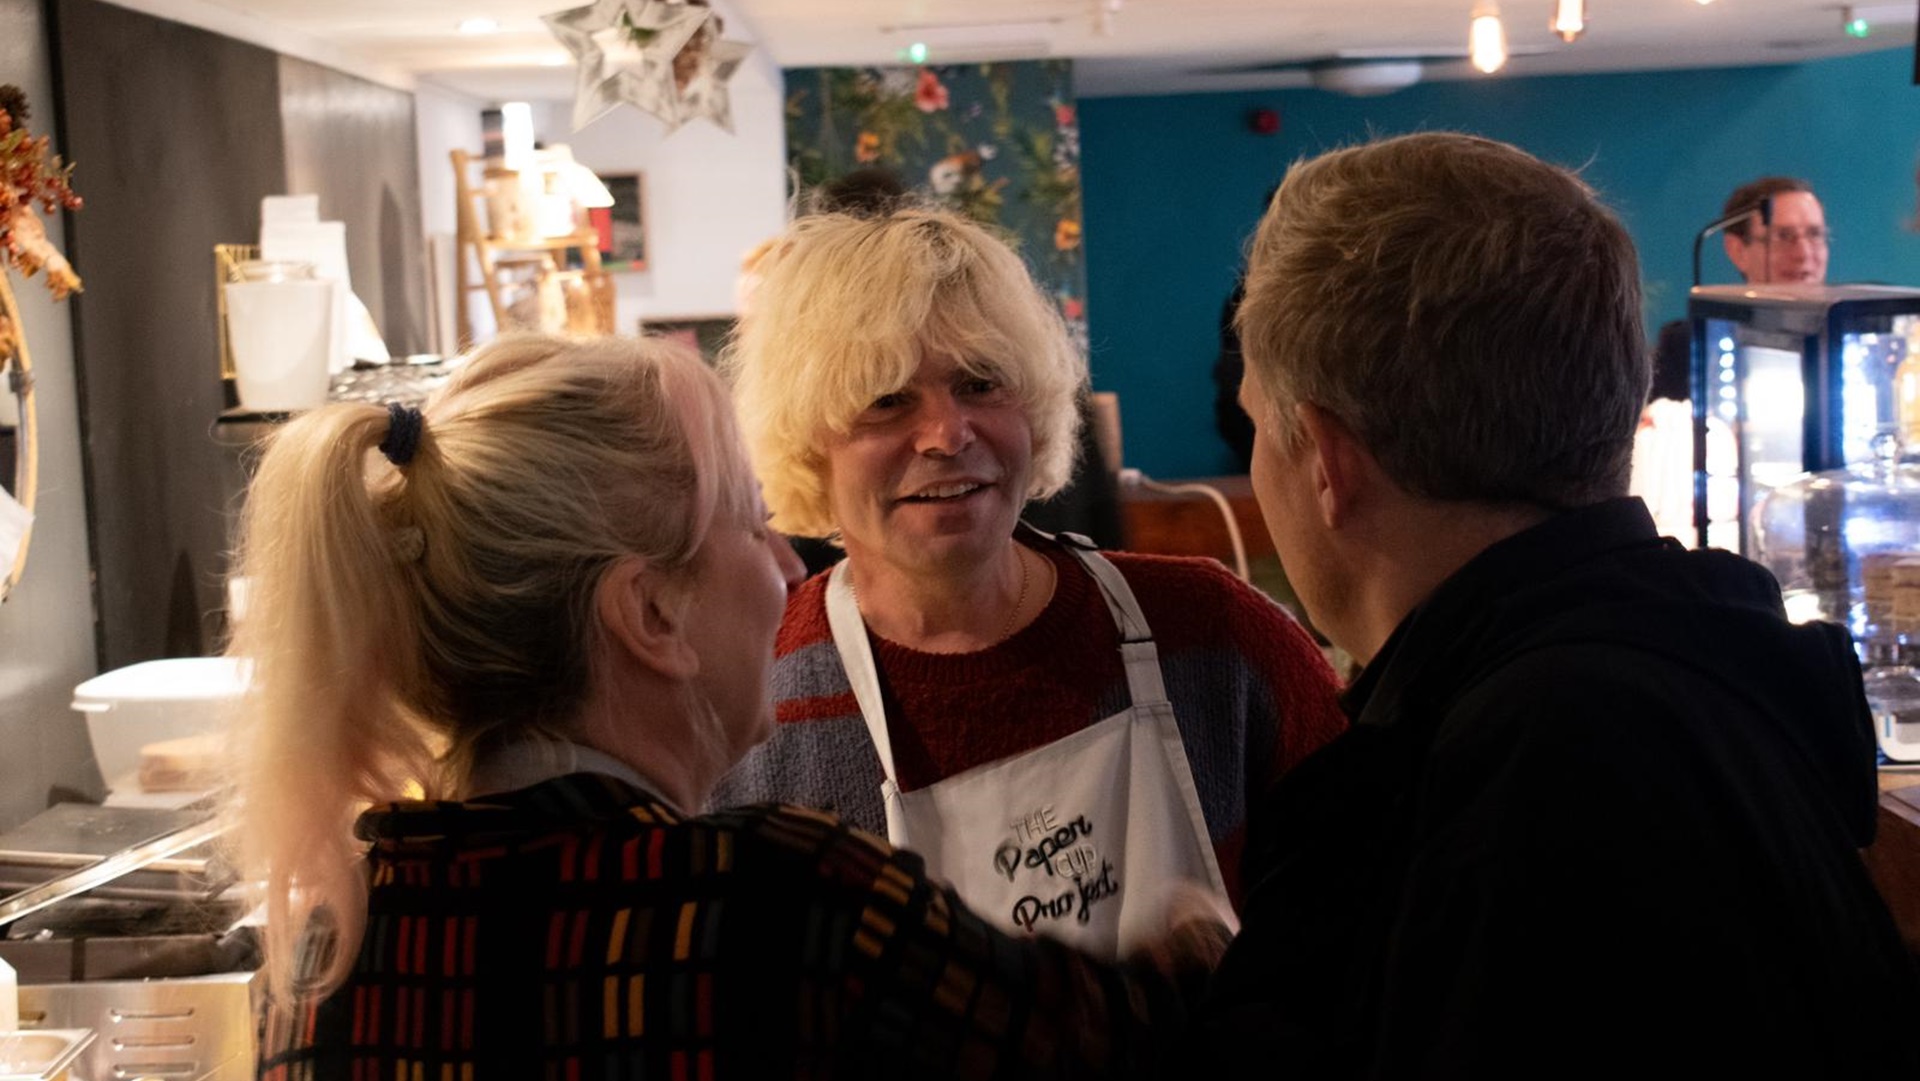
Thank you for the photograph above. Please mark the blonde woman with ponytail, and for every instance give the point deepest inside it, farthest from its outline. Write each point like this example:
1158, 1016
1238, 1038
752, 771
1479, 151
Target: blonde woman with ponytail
503, 647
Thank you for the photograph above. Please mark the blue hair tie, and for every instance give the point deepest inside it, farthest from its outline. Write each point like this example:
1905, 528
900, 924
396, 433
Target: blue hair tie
404, 425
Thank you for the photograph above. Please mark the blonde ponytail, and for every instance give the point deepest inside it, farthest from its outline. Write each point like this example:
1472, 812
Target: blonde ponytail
328, 633
401, 617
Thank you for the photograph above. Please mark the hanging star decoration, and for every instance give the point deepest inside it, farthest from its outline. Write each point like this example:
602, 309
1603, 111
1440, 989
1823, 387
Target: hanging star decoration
664, 57
705, 92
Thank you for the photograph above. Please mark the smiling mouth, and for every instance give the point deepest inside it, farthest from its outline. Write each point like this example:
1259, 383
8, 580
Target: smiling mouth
941, 493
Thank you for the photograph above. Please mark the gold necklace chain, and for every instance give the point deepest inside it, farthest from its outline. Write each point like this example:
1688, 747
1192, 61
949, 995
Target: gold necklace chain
1006, 632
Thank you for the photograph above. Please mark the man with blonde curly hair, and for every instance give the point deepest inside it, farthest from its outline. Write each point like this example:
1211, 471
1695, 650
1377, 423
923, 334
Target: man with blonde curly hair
1063, 733
1599, 811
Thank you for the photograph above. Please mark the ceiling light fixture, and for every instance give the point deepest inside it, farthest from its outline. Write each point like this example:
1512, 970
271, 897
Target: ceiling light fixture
1487, 38
1569, 19
479, 26
1104, 12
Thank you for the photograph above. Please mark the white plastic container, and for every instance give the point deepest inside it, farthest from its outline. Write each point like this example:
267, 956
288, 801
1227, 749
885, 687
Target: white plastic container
281, 330
129, 708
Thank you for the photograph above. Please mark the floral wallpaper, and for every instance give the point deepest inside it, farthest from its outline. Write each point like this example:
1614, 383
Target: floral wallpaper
998, 142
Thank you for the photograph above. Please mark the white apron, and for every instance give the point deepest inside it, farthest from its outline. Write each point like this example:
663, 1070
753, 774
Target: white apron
1082, 839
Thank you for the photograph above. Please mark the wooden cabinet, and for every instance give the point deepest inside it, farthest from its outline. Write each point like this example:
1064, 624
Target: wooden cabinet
1894, 858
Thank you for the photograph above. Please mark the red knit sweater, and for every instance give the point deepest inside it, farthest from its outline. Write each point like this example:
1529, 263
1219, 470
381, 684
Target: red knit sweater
1252, 693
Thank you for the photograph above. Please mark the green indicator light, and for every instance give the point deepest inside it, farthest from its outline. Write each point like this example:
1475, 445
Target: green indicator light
917, 52
1858, 28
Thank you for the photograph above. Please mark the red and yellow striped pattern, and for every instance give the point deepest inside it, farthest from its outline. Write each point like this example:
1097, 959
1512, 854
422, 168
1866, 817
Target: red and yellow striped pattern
581, 931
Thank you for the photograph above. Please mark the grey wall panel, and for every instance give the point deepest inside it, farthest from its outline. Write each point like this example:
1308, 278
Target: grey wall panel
352, 143
46, 624
178, 132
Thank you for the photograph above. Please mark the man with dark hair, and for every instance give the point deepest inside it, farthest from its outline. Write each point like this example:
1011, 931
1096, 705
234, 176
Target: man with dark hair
1788, 243
1783, 240
1600, 810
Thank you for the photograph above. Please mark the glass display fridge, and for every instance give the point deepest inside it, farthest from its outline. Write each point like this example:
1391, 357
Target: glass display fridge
1793, 379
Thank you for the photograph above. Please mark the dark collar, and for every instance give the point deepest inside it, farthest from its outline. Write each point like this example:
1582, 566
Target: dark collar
1563, 541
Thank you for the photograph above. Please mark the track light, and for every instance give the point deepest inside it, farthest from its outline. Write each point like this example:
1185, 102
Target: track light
1569, 19
1487, 38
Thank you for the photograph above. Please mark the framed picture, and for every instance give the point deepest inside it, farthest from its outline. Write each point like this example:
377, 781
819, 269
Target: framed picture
623, 226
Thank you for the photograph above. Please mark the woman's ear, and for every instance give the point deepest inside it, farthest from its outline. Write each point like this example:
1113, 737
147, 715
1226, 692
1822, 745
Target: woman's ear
643, 615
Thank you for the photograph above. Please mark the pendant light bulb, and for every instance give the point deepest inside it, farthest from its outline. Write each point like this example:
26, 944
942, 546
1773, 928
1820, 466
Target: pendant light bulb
1569, 19
516, 130
1487, 39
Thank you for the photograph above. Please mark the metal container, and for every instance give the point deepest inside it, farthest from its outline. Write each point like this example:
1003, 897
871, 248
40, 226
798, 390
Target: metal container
198, 1027
156, 966
43, 1055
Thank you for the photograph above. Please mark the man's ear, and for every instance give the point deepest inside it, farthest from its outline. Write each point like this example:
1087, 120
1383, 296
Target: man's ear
1342, 469
1736, 250
643, 615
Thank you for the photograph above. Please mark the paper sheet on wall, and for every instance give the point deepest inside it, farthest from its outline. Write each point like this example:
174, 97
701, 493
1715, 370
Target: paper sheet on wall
363, 336
14, 522
324, 244
278, 209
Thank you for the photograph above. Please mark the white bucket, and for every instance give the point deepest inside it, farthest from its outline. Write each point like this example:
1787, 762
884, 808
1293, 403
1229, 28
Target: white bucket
282, 337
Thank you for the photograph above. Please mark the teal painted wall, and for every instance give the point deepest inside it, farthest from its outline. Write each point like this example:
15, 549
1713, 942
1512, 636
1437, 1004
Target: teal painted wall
1173, 185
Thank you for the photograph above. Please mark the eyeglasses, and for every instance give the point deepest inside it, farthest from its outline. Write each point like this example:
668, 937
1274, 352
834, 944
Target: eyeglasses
1816, 236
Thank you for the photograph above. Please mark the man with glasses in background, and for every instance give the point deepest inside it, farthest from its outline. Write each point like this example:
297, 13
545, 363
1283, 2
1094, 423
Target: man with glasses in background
1782, 243
1788, 246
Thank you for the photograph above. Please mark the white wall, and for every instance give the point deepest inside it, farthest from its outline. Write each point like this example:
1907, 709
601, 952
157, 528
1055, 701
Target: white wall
710, 196
444, 120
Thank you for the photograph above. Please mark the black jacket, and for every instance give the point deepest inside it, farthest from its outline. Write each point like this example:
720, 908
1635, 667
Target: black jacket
1598, 815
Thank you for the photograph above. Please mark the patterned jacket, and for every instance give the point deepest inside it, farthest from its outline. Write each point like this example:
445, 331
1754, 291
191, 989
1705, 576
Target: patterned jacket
581, 929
